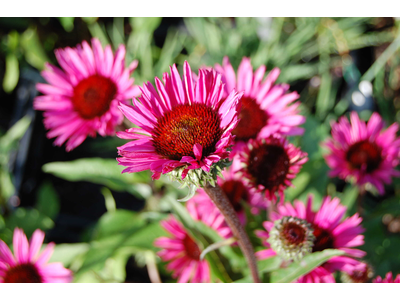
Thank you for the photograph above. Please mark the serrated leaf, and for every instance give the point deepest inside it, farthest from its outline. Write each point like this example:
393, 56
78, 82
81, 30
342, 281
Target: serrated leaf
306, 265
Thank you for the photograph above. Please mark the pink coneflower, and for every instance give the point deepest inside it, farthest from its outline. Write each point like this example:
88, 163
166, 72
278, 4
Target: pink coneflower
26, 265
329, 231
361, 273
364, 151
82, 98
271, 164
203, 209
387, 279
267, 108
185, 127
183, 252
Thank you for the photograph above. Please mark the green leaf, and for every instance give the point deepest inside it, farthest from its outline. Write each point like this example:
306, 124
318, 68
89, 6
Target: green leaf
67, 23
117, 222
145, 23
6, 186
11, 74
48, 202
14, 134
109, 199
67, 253
29, 219
349, 197
263, 266
325, 99
33, 49
143, 239
102, 171
306, 265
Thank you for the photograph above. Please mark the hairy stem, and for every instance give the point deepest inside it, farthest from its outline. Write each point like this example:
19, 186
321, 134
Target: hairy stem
219, 198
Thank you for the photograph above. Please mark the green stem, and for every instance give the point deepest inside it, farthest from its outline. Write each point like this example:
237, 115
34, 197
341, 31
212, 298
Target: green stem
219, 198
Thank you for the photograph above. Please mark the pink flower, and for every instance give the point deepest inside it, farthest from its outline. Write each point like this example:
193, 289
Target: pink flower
26, 265
183, 252
267, 108
329, 231
81, 99
202, 208
361, 273
270, 164
387, 279
184, 125
365, 152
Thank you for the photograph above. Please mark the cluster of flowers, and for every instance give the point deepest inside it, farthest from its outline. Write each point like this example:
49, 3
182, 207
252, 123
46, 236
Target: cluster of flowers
191, 129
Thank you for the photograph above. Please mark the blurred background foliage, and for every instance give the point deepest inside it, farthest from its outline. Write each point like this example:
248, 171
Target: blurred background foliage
105, 222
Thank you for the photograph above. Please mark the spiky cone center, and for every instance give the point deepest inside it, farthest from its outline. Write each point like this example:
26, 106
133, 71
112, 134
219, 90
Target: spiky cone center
364, 155
358, 276
252, 120
291, 238
268, 166
184, 126
93, 95
22, 273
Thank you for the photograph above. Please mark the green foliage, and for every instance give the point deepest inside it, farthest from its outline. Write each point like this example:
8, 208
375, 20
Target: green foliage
102, 171
308, 263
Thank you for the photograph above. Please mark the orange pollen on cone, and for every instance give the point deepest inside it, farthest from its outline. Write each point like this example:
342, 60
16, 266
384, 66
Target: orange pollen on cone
184, 126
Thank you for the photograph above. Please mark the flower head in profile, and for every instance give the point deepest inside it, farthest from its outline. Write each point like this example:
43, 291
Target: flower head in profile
388, 279
361, 273
365, 152
267, 108
270, 164
329, 230
82, 97
27, 265
185, 127
183, 253
202, 208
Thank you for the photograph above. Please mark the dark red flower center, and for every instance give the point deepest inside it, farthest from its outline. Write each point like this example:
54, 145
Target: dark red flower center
252, 120
184, 126
235, 191
268, 165
23, 273
323, 240
191, 248
93, 95
364, 154
293, 233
